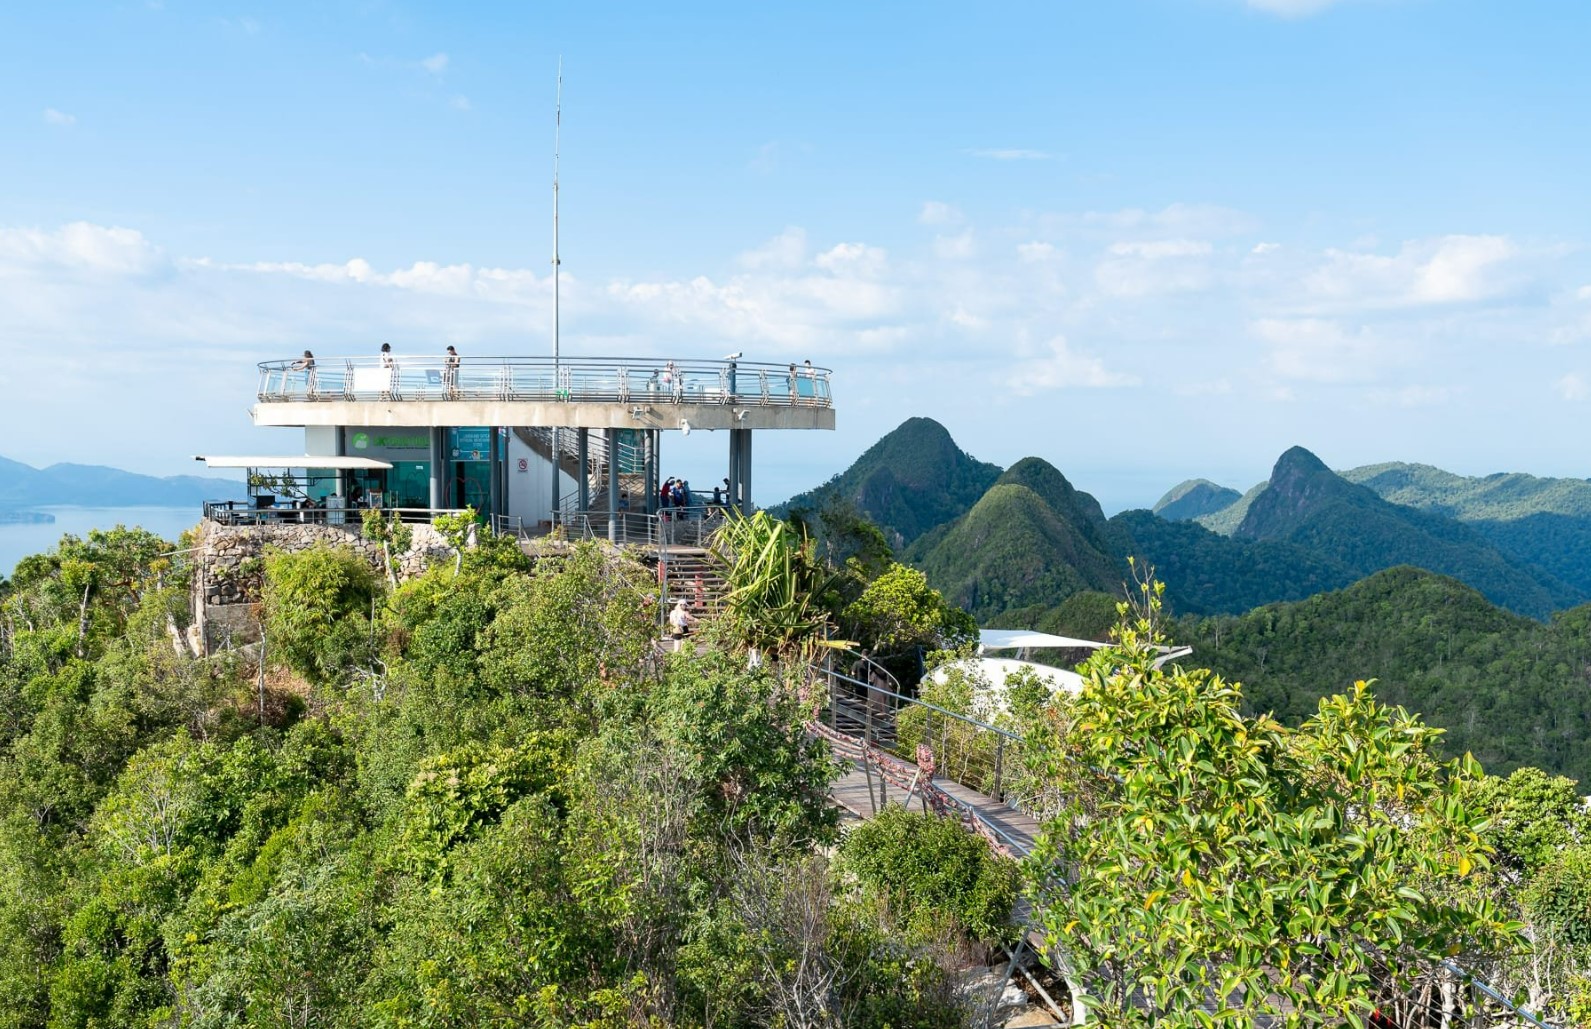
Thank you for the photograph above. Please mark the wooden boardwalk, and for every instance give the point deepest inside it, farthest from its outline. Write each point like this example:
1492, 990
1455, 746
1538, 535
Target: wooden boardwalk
850, 791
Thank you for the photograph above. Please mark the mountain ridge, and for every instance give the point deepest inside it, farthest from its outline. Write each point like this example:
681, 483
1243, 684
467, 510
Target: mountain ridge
67, 484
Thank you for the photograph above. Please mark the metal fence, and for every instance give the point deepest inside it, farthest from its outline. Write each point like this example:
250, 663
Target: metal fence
236, 512
588, 379
676, 526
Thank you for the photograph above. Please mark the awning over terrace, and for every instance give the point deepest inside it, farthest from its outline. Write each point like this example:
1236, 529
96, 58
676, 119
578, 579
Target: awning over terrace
351, 464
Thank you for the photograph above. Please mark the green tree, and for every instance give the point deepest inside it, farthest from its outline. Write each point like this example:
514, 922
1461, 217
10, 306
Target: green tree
899, 610
317, 611
1209, 857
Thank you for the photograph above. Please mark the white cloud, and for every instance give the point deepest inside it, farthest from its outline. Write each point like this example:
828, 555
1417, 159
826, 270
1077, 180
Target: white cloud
1162, 248
1188, 220
1265, 248
766, 159
1416, 396
1292, 8
1572, 387
955, 248
935, 212
460, 102
1583, 293
55, 117
436, 64
855, 258
1035, 251
1011, 154
1446, 269
80, 247
786, 250
1064, 368
1318, 350
1136, 269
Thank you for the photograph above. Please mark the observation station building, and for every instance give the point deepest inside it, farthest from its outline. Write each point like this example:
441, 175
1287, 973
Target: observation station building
529, 442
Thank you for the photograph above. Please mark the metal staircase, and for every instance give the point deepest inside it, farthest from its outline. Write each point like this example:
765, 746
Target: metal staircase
540, 440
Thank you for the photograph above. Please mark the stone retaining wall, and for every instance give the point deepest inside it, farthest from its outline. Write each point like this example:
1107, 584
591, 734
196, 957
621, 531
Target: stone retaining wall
231, 570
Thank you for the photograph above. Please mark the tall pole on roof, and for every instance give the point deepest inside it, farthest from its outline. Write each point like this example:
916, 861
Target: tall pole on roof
557, 129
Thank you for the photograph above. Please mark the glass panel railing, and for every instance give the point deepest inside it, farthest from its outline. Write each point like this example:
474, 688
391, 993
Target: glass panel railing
590, 380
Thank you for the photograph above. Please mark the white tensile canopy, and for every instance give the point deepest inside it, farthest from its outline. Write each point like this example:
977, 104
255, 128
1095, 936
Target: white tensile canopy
352, 464
1027, 639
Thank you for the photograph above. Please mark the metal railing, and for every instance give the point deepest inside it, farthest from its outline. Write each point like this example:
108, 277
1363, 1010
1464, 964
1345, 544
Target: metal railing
238, 512
675, 526
879, 727
607, 380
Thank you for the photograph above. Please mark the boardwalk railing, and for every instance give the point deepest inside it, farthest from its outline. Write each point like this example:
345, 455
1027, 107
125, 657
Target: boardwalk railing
238, 512
908, 743
611, 380
676, 526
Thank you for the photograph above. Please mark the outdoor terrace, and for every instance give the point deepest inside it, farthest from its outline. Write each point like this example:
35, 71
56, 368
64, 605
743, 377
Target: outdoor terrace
605, 392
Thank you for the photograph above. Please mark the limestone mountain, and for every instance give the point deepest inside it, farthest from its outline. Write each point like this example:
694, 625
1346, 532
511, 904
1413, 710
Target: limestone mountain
1195, 498
1032, 540
1206, 573
99, 486
1307, 504
1541, 521
911, 481
1511, 690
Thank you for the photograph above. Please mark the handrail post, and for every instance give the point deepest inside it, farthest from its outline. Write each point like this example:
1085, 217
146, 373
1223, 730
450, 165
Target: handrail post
999, 762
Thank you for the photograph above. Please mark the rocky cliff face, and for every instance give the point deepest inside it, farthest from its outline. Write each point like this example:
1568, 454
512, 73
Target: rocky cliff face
1300, 485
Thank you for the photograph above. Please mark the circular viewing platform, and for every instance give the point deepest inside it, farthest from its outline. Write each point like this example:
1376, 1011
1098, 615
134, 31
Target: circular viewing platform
588, 392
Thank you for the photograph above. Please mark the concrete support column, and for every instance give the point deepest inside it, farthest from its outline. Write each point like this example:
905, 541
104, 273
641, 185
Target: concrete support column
557, 438
493, 478
584, 444
500, 443
740, 469
746, 506
340, 448
654, 468
438, 468
613, 485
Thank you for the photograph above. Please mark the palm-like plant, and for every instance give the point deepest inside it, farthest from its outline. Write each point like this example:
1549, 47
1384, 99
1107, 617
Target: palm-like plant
777, 586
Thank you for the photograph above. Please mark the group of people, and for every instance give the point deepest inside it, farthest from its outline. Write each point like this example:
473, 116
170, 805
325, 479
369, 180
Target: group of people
450, 371
676, 493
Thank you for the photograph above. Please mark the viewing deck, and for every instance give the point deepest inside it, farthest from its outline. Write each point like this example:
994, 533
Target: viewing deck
603, 392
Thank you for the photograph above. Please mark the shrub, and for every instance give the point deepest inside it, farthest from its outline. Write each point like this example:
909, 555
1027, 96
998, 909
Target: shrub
933, 871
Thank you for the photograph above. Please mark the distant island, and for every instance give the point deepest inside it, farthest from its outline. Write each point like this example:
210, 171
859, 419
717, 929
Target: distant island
26, 518
23, 487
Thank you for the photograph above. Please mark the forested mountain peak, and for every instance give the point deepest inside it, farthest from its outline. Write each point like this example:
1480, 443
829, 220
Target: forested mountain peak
1014, 549
1299, 484
1053, 488
1195, 498
1308, 504
913, 479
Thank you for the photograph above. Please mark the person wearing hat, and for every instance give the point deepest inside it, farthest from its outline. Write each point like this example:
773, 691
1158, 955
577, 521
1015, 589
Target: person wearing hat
680, 620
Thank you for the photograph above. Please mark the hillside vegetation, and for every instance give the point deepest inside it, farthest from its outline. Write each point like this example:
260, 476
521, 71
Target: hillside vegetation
1032, 539
1196, 498
1510, 690
911, 481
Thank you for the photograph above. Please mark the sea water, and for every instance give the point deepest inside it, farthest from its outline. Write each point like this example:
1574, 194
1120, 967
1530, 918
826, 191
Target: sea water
19, 540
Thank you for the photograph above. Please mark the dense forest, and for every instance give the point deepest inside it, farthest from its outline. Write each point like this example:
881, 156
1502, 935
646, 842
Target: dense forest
487, 795
482, 797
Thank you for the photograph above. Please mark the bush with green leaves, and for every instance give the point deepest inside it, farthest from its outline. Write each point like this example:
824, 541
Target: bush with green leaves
318, 604
934, 873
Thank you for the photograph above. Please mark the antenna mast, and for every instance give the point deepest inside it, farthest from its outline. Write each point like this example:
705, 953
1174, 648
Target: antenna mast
557, 129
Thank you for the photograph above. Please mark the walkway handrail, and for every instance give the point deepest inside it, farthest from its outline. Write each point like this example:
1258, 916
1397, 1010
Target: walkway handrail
609, 380
993, 832
675, 526
241, 512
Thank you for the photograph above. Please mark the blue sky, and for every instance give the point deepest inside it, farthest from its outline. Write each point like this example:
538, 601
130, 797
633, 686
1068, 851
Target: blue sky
1144, 239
